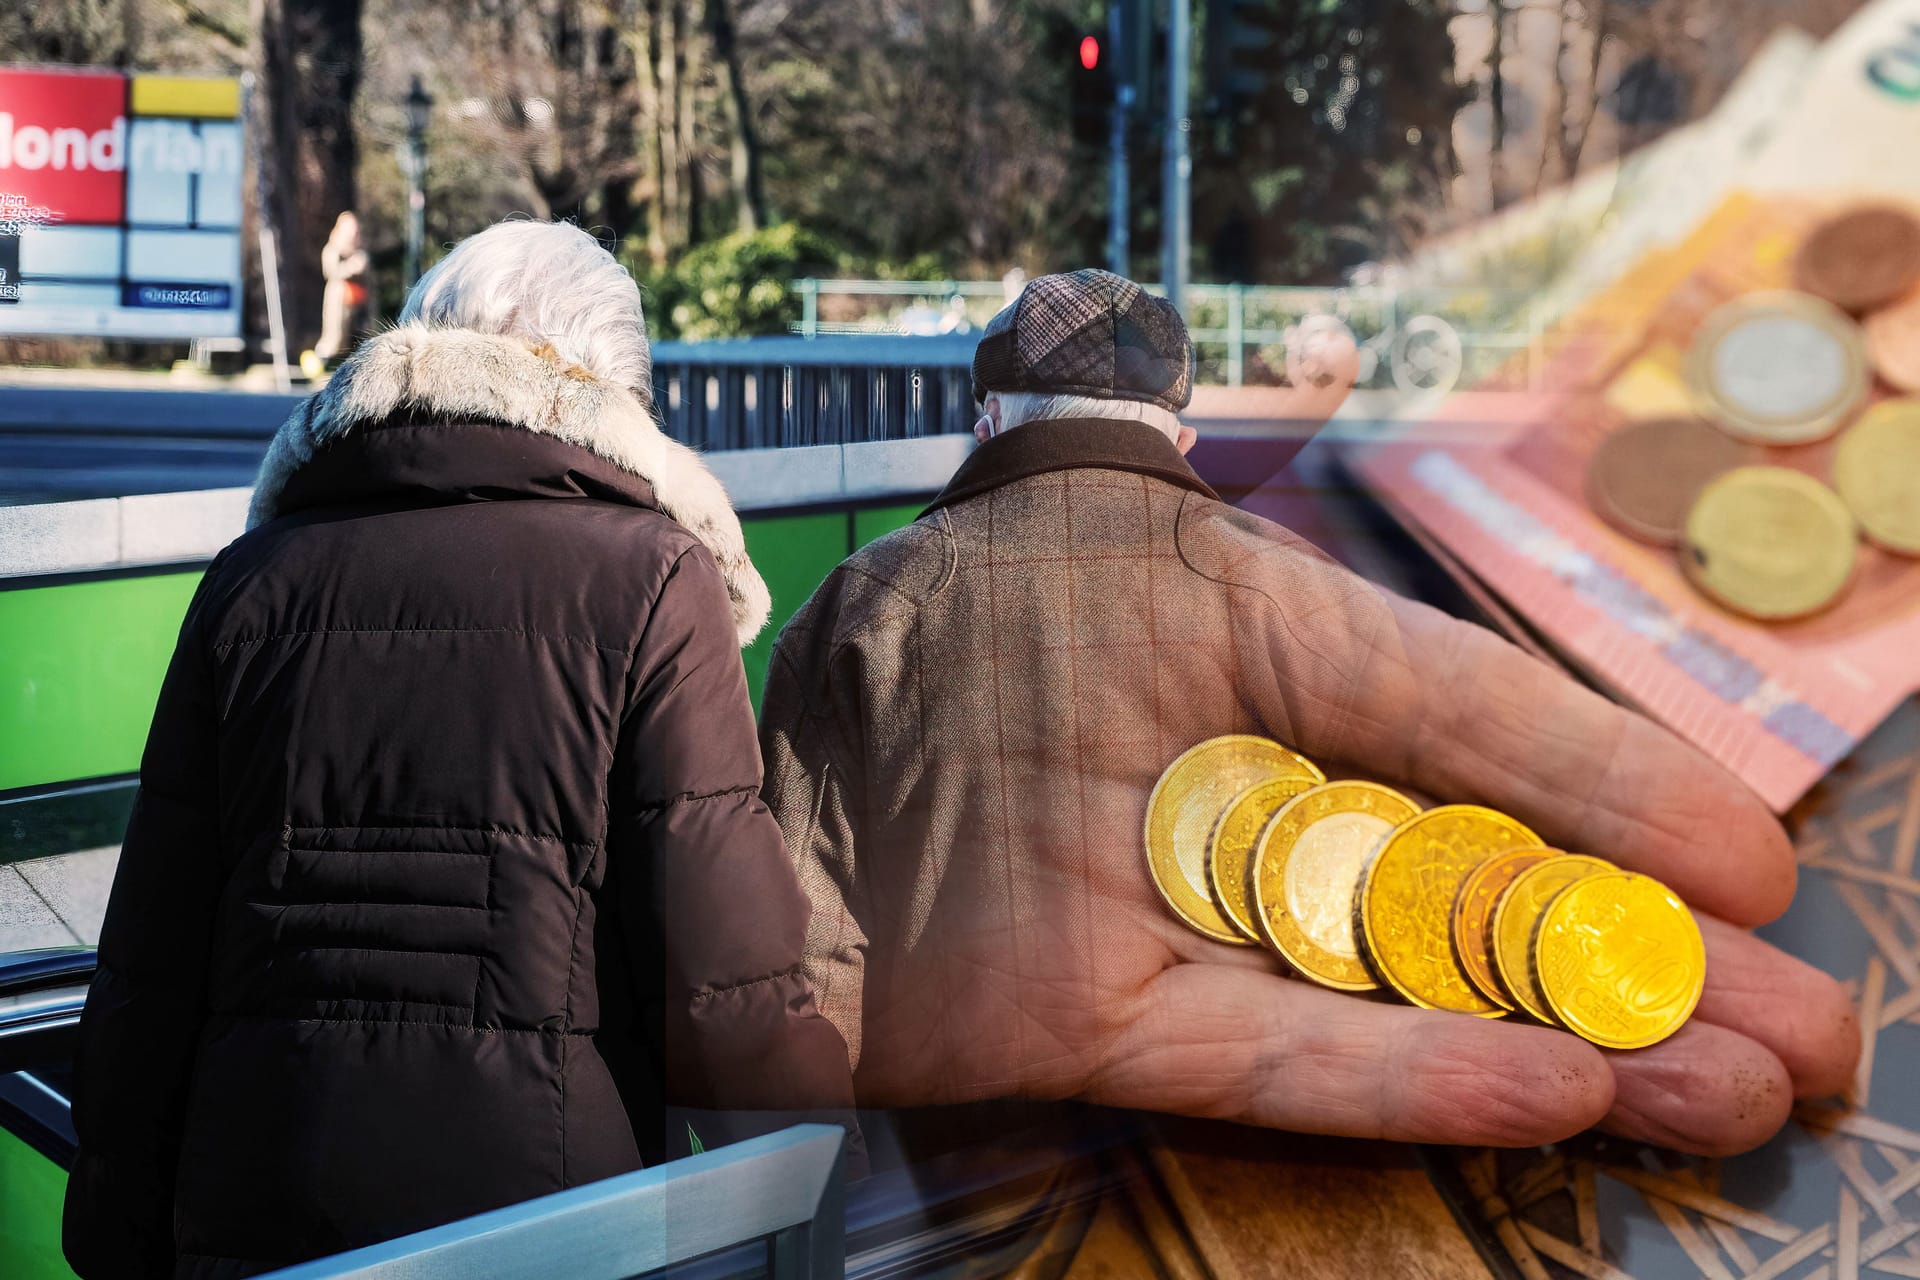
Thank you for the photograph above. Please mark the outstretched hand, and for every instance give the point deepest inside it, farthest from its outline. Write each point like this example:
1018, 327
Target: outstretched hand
1078, 983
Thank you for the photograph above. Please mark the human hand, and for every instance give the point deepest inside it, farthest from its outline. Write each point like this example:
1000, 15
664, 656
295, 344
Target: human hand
1070, 979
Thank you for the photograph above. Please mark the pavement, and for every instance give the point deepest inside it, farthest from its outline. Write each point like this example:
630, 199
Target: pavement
56, 902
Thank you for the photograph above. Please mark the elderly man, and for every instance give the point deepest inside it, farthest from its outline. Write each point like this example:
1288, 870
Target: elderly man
963, 725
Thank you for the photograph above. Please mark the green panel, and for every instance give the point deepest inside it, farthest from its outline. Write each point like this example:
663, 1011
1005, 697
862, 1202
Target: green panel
876, 522
32, 1190
794, 554
80, 669
81, 663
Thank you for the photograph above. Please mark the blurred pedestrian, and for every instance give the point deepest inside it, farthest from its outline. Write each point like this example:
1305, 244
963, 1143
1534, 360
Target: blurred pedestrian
964, 724
449, 868
343, 262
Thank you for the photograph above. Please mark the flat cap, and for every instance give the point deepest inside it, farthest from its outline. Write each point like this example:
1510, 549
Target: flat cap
1088, 333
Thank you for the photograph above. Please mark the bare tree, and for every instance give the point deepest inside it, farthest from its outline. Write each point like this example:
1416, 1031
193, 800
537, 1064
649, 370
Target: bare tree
750, 201
1497, 102
307, 57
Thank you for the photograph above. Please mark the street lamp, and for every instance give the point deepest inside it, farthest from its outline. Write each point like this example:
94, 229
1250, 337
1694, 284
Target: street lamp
419, 114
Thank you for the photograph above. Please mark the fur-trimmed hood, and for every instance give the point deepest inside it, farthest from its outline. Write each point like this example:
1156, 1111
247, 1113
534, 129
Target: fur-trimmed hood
462, 375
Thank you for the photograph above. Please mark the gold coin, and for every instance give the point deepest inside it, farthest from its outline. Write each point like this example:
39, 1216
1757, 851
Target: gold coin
1620, 960
1778, 368
1518, 911
1473, 918
1185, 804
1406, 898
1305, 871
1230, 846
1877, 471
1769, 542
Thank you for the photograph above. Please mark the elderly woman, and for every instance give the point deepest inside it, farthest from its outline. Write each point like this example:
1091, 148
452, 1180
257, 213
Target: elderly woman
449, 867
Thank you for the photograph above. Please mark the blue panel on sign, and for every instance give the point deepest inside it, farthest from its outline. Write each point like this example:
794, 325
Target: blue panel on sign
179, 297
9, 269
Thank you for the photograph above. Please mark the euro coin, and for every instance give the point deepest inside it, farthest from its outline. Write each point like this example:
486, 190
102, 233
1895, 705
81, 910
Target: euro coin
1778, 368
1877, 471
1769, 542
1305, 872
1185, 804
1231, 844
1860, 259
1644, 477
1473, 918
1406, 896
1893, 343
1620, 960
1518, 911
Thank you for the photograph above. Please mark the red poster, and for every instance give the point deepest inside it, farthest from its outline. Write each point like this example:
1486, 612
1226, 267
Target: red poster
63, 143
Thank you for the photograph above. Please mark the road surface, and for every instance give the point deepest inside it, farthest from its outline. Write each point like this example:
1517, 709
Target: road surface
58, 444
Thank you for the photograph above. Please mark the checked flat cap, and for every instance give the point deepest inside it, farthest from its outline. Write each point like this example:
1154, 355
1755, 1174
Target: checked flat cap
1088, 333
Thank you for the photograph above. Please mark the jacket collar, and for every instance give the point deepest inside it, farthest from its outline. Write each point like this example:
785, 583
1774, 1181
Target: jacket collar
414, 400
1067, 443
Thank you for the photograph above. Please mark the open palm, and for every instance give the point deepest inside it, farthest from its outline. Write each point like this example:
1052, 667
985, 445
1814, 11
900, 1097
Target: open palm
1044, 965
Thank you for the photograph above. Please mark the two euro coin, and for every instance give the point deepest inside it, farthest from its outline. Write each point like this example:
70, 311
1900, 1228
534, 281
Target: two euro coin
1357, 888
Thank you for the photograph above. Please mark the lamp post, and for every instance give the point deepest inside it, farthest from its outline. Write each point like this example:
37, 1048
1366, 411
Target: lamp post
419, 114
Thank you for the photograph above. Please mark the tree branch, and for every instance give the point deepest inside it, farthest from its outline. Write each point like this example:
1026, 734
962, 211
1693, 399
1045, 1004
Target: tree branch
235, 34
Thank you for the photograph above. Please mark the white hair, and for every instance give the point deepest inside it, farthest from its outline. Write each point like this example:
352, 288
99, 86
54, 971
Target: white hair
542, 282
1017, 408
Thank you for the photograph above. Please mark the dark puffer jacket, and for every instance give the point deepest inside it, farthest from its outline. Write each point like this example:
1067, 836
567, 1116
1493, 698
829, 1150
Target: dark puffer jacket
449, 865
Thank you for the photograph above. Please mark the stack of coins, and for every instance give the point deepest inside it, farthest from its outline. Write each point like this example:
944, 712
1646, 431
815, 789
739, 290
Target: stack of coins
1456, 907
1769, 374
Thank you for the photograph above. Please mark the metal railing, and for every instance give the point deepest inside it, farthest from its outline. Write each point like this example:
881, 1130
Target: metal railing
786, 1188
756, 393
1241, 333
762, 393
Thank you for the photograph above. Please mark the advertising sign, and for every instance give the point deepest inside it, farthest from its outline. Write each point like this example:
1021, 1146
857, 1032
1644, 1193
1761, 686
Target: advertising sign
119, 204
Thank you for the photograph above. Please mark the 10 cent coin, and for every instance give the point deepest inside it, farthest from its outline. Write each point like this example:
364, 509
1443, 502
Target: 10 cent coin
1620, 960
1877, 471
1770, 542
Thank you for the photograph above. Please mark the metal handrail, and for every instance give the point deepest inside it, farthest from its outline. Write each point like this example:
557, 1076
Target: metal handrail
1393, 303
787, 1188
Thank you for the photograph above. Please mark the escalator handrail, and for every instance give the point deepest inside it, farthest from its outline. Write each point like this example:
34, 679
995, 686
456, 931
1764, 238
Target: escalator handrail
787, 1188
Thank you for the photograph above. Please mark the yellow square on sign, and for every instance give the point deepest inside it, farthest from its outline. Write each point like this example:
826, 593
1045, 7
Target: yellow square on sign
194, 97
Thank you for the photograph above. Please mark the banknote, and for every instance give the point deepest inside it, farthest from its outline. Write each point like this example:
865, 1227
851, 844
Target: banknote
1498, 480
1856, 120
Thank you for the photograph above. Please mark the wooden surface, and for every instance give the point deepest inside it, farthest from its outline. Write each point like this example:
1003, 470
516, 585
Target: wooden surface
1204, 1201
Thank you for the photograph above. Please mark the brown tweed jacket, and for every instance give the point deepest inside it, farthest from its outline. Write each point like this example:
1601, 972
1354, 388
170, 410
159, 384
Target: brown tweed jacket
963, 725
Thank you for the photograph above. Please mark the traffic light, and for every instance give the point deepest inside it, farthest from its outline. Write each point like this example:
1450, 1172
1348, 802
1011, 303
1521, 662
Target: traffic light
1089, 82
1137, 56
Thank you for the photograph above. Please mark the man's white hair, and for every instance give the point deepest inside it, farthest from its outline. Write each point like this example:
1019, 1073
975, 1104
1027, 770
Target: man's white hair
542, 282
1017, 408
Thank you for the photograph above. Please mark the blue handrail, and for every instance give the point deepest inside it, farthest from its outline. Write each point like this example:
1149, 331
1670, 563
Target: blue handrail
787, 1188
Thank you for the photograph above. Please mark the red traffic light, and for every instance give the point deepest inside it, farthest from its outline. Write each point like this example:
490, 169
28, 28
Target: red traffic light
1089, 52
